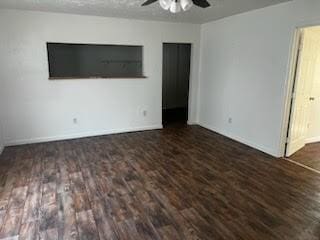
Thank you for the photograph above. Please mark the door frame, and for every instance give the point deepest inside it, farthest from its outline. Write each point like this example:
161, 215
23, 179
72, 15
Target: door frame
293, 57
190, 82
293, 75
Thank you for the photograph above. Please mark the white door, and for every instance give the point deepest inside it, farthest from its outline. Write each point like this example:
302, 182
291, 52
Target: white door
299, 118
314, 119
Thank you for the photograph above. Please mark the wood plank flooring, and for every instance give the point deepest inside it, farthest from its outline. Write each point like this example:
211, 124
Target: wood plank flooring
177, 183
308, 156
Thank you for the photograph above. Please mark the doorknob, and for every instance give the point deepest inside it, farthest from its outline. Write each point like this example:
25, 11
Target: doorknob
311, 98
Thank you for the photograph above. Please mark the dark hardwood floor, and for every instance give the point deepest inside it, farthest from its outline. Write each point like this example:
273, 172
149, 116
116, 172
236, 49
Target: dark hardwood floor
308, 156
177, 183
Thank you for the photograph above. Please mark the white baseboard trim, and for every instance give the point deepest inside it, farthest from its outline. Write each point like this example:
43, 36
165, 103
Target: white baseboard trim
192, 123
313, 140
81, 135
243, 141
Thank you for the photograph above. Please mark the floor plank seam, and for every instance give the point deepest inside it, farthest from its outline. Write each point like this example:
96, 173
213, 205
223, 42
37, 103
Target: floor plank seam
301, 165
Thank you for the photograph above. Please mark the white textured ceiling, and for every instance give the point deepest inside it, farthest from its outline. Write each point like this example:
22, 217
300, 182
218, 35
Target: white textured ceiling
132, 8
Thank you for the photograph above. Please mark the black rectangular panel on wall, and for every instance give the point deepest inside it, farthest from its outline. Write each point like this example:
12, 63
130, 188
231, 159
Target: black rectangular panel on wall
94, 61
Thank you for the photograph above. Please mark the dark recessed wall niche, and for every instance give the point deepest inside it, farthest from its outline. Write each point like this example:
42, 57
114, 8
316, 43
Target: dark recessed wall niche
74, 61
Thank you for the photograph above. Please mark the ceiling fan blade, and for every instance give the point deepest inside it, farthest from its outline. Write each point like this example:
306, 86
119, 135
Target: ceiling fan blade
148, 2
201, 3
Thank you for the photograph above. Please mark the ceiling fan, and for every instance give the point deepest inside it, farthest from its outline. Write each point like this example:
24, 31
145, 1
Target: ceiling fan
175, 6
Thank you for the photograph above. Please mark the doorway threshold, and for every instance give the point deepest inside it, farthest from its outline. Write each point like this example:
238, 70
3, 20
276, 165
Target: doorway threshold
301, 165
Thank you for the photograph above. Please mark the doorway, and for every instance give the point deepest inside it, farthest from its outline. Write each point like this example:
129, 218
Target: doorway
303, 135
175, 83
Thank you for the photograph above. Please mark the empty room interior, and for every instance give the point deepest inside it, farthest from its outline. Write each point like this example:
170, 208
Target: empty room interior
160, 119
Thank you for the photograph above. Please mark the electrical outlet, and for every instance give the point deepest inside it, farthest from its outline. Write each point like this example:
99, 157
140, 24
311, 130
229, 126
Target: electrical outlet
144, 113
230, 120
75, 121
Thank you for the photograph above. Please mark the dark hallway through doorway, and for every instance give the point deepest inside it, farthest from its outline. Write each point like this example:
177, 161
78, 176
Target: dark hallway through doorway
176, 74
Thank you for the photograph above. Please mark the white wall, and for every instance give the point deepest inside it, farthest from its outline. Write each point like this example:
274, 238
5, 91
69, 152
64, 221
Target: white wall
38, 109
244, 72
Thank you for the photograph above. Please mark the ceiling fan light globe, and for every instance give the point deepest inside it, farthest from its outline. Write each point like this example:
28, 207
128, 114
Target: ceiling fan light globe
186, 4
175, 7
165, 4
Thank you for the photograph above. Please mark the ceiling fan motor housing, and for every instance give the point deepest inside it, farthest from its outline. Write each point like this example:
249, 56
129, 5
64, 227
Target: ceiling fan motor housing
175, 6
